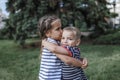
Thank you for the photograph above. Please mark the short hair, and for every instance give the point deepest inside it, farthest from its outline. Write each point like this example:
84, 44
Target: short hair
75, 30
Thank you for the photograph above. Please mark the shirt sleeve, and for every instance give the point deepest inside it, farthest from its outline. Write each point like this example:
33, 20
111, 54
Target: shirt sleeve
73, 51
69, 50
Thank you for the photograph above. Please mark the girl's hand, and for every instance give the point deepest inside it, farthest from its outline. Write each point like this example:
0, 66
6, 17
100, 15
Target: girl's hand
84, 63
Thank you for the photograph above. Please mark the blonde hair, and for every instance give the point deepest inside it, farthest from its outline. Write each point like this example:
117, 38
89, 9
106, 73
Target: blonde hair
75, 30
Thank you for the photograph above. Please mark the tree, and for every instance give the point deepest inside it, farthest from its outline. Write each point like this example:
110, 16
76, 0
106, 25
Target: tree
2, 17
24, 15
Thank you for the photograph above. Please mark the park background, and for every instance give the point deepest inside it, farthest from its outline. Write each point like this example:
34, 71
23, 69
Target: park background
98, 20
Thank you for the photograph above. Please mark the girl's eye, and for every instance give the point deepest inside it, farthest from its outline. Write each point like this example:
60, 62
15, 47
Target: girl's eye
58, 29
70, 39
62, 37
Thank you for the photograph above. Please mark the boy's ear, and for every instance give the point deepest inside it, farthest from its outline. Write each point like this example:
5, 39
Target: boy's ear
78, 42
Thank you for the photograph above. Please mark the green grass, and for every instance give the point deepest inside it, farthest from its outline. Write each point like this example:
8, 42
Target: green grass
17, 63
23, 64
104, 61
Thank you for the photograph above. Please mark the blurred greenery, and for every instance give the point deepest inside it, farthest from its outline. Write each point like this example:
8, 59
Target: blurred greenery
84, 14
111, 38
18, 63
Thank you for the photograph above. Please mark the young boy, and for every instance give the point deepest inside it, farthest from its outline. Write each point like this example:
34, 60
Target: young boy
69, 42
51, 66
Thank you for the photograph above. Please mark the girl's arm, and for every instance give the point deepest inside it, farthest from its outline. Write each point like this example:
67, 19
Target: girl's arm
62, 54
85, 63
70, 60
55, 48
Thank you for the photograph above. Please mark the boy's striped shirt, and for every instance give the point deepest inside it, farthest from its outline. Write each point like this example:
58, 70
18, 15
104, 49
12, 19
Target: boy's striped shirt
73, 73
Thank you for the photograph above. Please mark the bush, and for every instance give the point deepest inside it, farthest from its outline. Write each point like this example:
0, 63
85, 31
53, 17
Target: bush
108, 39
4, 35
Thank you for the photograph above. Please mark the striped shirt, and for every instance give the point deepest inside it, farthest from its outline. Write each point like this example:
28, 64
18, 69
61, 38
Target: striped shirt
50, 68
72, 73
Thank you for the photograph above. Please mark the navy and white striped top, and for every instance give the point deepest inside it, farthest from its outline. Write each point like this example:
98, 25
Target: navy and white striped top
72, 73
50, 68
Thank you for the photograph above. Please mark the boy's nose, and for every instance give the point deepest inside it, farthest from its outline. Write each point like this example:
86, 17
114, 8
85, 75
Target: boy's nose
65, 40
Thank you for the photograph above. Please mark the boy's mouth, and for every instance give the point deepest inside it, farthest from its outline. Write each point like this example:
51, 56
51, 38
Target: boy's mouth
64, 44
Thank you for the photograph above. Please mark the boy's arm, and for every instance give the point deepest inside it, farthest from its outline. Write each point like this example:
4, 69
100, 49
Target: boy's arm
55, 48
70, 60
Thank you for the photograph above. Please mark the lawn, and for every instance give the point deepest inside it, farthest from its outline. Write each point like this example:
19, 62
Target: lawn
23, 63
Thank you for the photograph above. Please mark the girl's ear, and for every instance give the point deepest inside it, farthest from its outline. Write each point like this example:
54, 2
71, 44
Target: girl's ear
78, 42
48, 33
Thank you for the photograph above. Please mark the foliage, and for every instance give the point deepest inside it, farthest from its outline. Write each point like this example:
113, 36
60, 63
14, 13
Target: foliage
23, 64
24, 15
113, 38
1, 35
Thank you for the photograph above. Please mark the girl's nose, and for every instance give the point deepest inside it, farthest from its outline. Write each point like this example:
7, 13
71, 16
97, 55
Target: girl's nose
61, 30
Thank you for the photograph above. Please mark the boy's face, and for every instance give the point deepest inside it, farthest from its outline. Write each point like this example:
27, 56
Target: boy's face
56, 31
69, 38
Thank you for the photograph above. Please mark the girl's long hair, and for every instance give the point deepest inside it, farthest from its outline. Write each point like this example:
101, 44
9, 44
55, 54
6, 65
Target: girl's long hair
44, 25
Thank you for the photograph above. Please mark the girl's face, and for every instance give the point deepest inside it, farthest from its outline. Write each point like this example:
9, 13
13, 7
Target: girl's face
69, 38
56, 31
